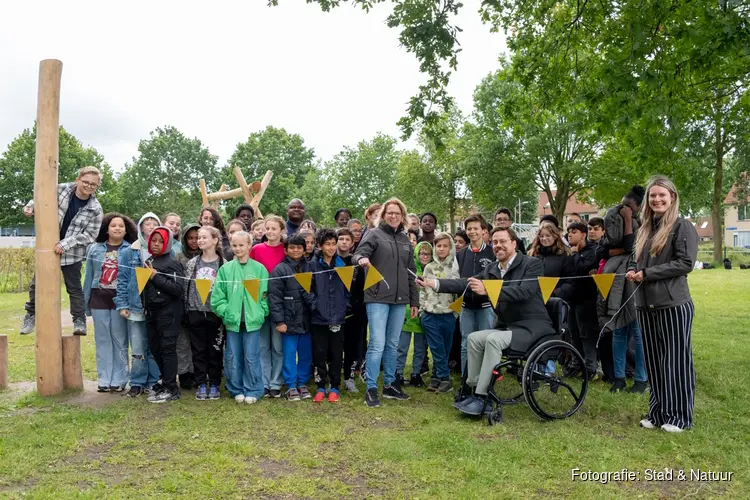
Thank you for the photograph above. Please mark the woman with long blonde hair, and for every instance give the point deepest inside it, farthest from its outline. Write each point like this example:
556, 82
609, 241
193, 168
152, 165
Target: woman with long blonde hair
665, 251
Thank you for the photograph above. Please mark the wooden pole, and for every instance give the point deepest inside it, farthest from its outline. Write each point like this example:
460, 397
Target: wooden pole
204, 193
71, 356
49, 372
243, 185
3, 361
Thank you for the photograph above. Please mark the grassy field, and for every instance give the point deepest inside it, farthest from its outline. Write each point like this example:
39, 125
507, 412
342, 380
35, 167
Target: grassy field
122, 448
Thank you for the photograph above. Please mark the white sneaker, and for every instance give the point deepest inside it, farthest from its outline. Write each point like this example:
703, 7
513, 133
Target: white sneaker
671, 428
350, 386
240, 398
251, 400
647, 424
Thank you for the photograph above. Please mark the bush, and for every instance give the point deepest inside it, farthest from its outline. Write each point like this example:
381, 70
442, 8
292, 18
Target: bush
16, 269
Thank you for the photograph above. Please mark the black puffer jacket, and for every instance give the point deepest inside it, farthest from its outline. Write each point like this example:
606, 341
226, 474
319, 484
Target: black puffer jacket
470, 264
288, 302
585, 262
559, 266
391, 254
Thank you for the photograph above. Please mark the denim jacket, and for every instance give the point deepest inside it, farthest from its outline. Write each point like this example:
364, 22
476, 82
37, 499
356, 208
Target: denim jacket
127, 284
94, 259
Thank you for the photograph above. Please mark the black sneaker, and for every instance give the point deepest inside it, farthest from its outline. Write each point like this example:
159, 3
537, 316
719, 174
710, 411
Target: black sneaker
155, 389
400, 380
434, 384
116, 388
371, 398
638, 388
394, 392
275, 393
416, 381
134, 391
618, 386
164, 396
29, 322
79, 326
445, 386
102, 388
266, 393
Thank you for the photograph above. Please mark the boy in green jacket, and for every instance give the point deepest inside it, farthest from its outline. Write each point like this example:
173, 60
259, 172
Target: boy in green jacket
243, 318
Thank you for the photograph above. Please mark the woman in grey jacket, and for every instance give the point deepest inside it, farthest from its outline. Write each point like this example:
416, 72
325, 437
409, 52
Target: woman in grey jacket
665, 251
388, 249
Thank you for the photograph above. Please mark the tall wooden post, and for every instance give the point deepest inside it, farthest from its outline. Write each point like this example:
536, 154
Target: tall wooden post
49, 370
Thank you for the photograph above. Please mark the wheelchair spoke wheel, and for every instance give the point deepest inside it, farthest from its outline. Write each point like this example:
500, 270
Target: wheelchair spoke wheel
549, 391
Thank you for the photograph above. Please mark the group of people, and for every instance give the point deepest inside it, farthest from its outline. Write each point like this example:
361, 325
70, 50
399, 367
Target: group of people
286, 332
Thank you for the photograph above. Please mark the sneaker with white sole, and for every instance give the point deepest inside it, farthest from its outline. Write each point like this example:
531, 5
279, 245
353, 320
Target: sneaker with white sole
647, 424
350, 386
240, 398
671, 428
79, 327
250, 400
28, 325
164, 396
394, 392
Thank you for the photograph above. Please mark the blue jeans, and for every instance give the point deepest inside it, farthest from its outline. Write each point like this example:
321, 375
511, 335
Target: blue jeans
297, 359
420, 349
620, 339
438, 328
242, 364
144, 372
473, 320
386, 321
271, 356
111, 340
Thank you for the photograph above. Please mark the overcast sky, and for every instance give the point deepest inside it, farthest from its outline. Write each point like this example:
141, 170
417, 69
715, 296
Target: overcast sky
220, 71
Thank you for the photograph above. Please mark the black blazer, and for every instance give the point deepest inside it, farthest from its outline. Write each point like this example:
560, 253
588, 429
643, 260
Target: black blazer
520, 307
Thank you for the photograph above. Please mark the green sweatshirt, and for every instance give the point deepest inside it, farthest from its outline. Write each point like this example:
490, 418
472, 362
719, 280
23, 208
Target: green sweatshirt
229, 295
415, 325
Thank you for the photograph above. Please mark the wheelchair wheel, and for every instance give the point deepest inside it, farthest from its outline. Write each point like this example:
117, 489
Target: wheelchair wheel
495, 416
550, 393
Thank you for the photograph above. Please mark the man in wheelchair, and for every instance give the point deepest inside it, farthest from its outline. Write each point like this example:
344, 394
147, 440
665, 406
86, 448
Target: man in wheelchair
522, 317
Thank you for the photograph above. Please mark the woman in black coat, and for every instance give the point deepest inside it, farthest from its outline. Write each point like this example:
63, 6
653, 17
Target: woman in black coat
550, 248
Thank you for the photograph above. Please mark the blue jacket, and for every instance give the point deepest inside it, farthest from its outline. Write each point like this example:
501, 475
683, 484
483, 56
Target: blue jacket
331, 296
94, 259
127, 284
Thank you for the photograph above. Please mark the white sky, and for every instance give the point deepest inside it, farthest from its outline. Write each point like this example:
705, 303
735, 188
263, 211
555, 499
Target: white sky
220, 71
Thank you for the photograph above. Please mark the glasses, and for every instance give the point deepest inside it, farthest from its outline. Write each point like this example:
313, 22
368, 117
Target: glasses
90, 185
502, 242
502, 219
393, 214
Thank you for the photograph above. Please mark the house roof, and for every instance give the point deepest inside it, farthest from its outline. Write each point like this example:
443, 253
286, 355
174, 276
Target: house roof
703, 227
573, 205
732, 195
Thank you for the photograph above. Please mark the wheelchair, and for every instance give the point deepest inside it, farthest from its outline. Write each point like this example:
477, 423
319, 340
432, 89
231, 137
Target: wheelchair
552, 374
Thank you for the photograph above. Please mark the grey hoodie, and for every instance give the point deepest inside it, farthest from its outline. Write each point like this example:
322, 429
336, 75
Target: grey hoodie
429, 300
142, 243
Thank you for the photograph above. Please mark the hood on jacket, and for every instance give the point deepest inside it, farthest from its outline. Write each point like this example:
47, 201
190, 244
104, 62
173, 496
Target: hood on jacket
141, 238
166, 235
183, 240
418, 264
450, 260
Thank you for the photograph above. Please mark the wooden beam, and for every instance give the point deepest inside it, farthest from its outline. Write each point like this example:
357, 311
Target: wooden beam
72, 373
204, 192
49, 372
243, 185
224, 195
222, 189
3, 361
255, 203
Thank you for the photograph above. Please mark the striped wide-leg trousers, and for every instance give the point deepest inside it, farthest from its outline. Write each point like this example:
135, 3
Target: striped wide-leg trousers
669, 364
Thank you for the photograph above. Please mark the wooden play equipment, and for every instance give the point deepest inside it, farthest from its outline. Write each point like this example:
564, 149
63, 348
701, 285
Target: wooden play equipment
253, 193
49, 358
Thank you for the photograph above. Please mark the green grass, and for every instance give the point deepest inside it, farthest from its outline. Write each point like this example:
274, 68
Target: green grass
417, 449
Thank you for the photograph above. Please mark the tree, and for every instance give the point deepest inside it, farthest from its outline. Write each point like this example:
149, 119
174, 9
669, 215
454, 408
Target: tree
550, 146
316, 193
434, 181
358, 177
165, 176
17, 173
282, 153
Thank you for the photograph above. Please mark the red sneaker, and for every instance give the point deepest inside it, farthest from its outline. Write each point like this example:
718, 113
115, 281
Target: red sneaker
320, 396
333, 397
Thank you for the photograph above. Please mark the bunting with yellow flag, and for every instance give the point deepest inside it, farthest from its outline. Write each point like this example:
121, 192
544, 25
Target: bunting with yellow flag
373, 277
493, 290
142, 274
604, 283
547, 284
253, 288
457, 305
346, 274
204, 287
305, 280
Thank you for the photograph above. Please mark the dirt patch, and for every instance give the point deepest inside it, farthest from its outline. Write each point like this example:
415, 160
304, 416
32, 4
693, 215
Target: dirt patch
275, 468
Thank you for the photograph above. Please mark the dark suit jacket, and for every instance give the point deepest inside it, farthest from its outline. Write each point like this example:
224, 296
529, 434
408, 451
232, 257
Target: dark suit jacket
520, 307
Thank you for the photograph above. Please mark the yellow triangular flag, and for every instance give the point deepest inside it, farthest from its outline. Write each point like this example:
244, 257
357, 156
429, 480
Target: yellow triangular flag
547, 284
604, 282
457, 304
253, 288
347, 275
203, 286
305, 279
493, 290
142, 274
373, 277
